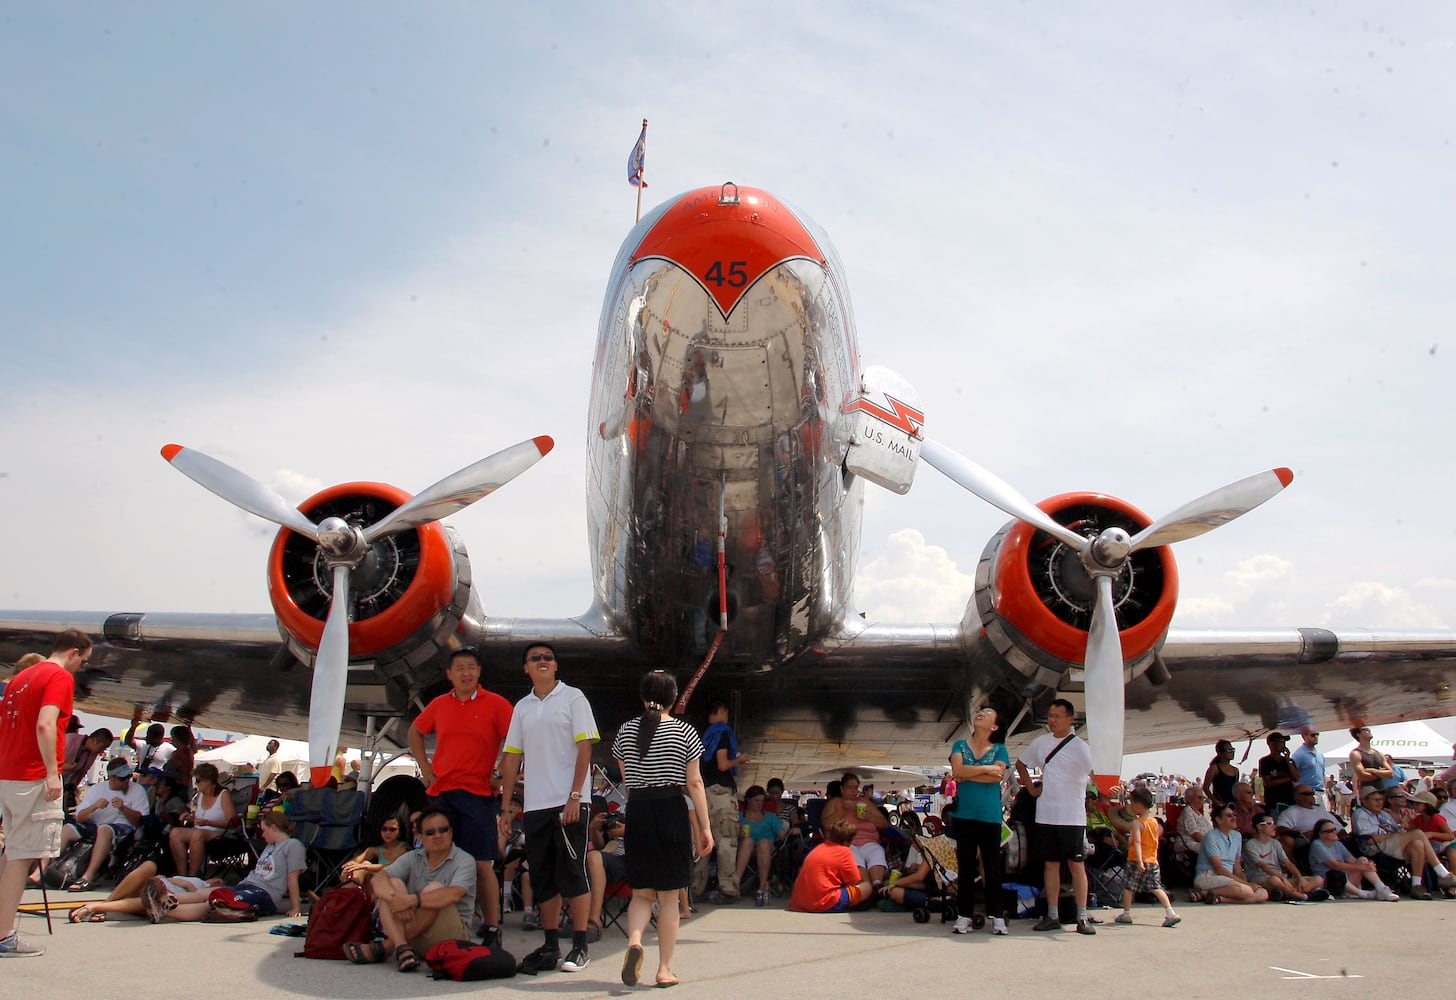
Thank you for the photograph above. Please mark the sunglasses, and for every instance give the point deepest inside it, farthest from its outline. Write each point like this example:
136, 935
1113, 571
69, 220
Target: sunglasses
541, 658
436, 831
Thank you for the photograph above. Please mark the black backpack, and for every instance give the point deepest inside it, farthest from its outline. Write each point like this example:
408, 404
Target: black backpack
70, 866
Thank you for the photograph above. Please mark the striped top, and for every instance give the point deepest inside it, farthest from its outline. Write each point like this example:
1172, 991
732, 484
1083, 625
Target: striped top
673, 744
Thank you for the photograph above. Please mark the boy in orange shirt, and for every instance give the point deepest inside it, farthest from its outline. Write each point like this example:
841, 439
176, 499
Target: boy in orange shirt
1142, 861
830, 881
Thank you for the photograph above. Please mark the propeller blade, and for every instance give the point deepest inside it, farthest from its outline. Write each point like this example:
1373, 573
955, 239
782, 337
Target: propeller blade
995, 491
238, 489
461, 489
1102, 684
330, 676
1213, 510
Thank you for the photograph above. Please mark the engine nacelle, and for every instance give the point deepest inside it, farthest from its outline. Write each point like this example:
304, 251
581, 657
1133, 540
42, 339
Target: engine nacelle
410, 593
1035, 599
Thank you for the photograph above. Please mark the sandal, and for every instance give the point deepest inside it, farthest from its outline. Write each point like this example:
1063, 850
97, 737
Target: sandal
405, 959
632, 965
365, 952
664, 984
85, 915
80, 885
1212, 898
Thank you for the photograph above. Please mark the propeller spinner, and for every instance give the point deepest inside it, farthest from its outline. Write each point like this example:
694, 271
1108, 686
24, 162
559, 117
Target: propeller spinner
345, 546
1104, 555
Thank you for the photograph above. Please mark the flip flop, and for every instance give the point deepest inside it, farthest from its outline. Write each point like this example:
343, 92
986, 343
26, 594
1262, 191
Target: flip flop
365, 952
85, 915
664, 984
405, 959
632, 965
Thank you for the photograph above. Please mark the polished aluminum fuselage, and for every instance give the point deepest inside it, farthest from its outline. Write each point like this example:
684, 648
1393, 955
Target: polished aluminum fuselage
739, 413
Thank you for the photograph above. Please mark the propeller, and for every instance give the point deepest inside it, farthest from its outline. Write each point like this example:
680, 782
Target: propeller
1104, 556
344, 547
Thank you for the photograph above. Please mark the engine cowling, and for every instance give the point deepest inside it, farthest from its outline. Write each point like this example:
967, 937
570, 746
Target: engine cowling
1035, 599
409, 595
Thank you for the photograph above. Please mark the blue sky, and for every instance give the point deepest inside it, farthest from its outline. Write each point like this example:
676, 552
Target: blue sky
1147, 251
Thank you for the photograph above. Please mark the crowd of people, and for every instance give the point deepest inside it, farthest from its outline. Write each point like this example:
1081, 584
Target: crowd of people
454, 866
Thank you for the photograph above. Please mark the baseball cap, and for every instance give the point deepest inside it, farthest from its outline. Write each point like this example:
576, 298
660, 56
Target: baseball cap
118, 768
1276, 736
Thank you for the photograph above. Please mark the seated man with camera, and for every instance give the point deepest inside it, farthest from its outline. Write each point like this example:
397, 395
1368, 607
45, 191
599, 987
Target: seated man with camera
108, 815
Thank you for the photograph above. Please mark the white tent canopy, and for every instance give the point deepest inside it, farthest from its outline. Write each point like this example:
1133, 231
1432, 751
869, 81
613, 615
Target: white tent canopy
1401, 740
248, 752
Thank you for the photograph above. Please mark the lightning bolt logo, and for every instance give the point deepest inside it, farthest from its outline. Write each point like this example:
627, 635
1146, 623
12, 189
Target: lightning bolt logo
899, 415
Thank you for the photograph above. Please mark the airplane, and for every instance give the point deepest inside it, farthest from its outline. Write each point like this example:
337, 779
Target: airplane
732, 432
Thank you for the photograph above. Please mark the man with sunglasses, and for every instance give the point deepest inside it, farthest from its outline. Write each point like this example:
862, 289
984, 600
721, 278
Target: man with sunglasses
469, 724
1309, 762
1296, 824
425, 897
552, 729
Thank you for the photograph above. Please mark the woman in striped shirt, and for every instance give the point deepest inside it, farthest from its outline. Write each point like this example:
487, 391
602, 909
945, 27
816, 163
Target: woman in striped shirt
659, 759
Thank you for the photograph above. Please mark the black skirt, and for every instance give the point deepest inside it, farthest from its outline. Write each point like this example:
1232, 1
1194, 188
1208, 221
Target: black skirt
659, 844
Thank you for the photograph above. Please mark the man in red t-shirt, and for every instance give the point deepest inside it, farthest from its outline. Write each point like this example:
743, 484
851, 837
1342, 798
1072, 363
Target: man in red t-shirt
830, 881
34, 713
469, 724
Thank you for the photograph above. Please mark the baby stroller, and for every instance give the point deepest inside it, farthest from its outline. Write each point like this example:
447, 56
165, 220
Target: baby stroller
939, 852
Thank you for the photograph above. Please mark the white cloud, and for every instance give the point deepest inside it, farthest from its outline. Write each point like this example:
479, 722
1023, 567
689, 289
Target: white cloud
1370, 603
911, 581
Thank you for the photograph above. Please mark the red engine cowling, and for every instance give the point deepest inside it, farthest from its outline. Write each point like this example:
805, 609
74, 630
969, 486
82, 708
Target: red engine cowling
1035, 598
409, 593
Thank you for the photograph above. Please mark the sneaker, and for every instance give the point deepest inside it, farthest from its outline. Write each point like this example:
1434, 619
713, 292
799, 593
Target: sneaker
543, 959
154, 895
576, 960
1092, 919
962, 926
1319, 895
1173, 920
532, 920
1047, 923
1122, 918
15, 946
1085, 927
998, 926
491, 938
1383, 893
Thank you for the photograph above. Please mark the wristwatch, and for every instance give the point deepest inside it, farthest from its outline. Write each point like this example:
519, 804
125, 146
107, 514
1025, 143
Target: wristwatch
575, 796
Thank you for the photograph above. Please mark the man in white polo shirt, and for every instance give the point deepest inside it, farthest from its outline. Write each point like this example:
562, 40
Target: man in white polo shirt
553, 729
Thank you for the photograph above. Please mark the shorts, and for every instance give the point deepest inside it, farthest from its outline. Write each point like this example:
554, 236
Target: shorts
556, 855
447, 926
1147, 879
849, 896
869, 855
119, 831
1391, 847
1061, 843
32, 825
473, 818
1207, 881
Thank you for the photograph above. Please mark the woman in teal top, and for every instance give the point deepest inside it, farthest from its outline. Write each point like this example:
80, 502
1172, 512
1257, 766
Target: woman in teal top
979, 767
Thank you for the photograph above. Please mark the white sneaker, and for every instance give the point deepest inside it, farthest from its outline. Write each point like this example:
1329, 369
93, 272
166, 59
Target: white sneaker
15, 946
962, 926
998, 925
1383, 893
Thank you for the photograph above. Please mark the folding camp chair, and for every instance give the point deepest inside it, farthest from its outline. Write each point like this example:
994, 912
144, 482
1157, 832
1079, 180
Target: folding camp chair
232, 855
337, 838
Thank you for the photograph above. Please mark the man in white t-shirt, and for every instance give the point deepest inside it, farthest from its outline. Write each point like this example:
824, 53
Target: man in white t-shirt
1296, 823
1448, 806
1061, 816
107, 814
553, 729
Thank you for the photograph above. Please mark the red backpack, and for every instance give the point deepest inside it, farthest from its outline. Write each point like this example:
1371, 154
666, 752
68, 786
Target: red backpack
343, 914
465, 960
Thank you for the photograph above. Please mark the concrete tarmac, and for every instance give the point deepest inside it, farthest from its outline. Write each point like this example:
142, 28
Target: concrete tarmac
739, 952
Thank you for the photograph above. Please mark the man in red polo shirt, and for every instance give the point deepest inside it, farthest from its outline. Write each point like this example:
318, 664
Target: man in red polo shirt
34, 713
469, 724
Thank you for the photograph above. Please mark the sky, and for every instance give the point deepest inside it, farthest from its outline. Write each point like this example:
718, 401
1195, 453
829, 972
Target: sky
1146, 250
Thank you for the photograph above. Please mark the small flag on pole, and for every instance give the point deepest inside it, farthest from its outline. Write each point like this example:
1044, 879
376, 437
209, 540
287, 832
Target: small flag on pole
637, 159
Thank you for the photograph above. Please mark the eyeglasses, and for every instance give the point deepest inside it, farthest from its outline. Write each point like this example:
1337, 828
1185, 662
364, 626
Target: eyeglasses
436, 831
1325, 829
541, 658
